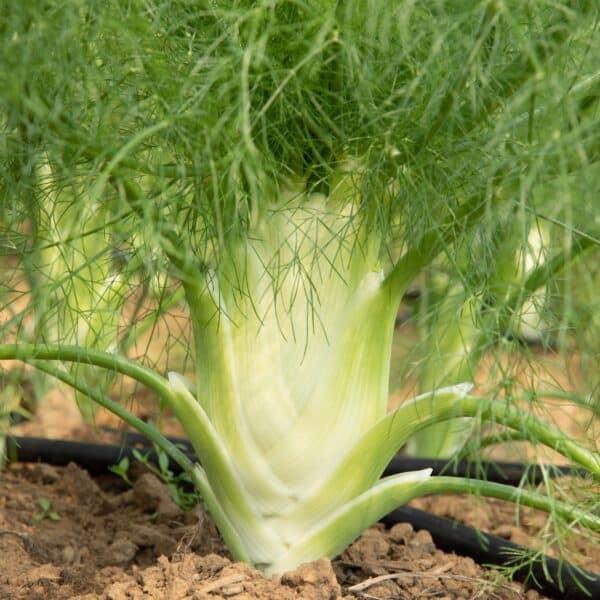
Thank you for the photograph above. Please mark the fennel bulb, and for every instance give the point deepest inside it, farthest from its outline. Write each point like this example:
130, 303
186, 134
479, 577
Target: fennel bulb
293, 341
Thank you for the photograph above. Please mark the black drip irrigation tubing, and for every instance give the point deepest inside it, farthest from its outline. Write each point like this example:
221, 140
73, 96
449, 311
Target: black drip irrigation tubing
95, 458
544, 574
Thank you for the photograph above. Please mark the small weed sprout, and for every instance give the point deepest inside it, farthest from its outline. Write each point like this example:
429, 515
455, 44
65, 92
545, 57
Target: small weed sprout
47, 511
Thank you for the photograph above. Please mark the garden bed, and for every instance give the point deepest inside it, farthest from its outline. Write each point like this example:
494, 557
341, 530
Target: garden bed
105, 540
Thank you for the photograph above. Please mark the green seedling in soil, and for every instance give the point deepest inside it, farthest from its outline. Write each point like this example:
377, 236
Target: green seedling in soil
180, 486
47, 511
121, 469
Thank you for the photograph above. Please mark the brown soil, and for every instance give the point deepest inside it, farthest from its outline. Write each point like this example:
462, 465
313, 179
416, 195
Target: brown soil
112, 542
527, 527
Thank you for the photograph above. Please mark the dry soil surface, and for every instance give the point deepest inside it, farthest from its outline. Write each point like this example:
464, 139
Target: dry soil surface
109, 541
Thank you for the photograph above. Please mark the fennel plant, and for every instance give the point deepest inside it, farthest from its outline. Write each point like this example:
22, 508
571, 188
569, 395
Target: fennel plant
458, 326
85, 305
294, 166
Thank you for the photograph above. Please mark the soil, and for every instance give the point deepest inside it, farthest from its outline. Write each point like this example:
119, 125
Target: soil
523, 526
101, 539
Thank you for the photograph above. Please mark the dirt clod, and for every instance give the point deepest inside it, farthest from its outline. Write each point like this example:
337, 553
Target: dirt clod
121, 552
423, 541
317, 578
146, 536
46, 473
401, 533
372, 545
151, 495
